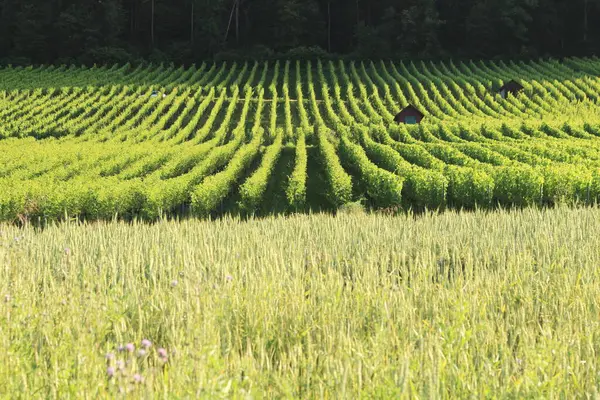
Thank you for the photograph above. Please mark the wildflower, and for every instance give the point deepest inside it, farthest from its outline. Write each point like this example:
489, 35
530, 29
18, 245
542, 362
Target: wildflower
7, 298
174, 283
130, 347
137, 378
228, 278
162, 353
146, 343
68, 251
110, 371
141, 353
109, 356
121, 348
120, 365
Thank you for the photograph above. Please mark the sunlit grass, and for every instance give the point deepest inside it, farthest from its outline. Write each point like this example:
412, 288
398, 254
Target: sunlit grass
485, 304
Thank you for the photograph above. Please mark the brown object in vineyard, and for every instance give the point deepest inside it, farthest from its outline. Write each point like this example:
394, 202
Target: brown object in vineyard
513, 87
409, 115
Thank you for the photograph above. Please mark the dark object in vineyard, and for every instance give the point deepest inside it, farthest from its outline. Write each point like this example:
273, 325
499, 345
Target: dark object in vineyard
155, 94
513, 87
410, 115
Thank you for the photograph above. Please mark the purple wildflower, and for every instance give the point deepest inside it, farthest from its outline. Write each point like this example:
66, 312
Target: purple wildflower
110, 371
68, 251
162, 353
174, 283
130, 347
121, 348
141, 353
137, 378
229, 278
146, 343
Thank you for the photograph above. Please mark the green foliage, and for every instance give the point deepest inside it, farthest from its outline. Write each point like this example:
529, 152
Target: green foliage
148, 141
353, 208
566, 184
521, 186
296, 190
340, 183
253, 190
207, 196
422, 187
469, 187
383, 187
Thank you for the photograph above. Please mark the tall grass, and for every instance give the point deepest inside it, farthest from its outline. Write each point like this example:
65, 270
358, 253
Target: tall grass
484, 304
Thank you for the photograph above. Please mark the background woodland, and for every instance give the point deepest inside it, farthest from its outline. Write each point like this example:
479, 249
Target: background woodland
185, 31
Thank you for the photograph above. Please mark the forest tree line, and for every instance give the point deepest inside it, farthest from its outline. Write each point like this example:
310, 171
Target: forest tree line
185, 31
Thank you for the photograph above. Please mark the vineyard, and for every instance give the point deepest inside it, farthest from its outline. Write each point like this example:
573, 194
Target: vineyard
291, 136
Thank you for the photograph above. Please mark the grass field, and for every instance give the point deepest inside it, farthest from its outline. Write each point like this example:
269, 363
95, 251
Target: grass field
109, 289
261, 138
454, 305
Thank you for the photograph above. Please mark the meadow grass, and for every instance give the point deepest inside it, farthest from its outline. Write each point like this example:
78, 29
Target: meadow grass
501, 304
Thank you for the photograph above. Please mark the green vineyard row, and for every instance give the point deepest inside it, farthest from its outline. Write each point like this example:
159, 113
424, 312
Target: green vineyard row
293, 136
